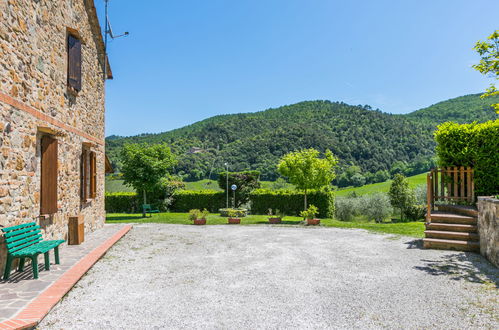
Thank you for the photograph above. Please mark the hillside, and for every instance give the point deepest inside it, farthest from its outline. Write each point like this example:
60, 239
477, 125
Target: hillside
358, 135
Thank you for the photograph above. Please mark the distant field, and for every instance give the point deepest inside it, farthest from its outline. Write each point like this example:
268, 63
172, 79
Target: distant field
414, 181
117, 186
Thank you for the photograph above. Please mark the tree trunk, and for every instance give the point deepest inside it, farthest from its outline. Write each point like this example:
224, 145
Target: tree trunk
305, 199
145, 202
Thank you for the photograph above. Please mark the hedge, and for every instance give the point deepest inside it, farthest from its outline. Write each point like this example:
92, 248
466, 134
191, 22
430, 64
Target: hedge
291, 202
185, 200
122, 202
475, 145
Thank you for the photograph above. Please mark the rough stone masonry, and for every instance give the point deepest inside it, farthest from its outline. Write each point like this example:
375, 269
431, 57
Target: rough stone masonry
35, 100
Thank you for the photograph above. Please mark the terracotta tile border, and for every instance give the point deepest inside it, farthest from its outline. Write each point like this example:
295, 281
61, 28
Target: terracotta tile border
46, 118
32, 314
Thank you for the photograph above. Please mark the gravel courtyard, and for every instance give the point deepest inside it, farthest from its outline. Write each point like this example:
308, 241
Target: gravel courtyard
247, 277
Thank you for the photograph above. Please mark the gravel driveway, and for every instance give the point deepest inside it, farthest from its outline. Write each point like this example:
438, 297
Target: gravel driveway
247, 277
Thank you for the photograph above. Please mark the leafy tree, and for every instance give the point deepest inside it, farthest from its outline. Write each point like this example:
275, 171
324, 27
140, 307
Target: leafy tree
401, 196
489, 63
305, 170
381, 176
358, 180
399, 167
145, 165
376, 206
246, 182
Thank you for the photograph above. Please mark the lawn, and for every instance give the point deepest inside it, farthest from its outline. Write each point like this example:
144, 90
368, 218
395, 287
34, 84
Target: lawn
415, 180
413, 229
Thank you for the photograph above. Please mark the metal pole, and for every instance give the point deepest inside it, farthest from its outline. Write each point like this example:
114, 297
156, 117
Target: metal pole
227, 184
234, 199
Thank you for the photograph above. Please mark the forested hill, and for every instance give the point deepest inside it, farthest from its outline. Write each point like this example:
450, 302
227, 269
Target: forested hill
358, 135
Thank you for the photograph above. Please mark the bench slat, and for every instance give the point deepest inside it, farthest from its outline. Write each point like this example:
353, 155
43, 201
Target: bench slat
22, 246
24, 225
19, 237
21, 231
38, 248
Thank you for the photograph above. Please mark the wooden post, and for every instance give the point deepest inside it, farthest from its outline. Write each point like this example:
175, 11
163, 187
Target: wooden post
429, 195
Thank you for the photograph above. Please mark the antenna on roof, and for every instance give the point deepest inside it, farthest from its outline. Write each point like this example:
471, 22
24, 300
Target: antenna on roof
108, 30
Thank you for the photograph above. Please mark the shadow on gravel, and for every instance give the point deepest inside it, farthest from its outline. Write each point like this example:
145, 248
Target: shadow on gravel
415, 244
465, 266
283, 222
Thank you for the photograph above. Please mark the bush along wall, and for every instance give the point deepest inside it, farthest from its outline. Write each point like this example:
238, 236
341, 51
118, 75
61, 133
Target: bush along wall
475, 145
185, 200
123, 202
291, 202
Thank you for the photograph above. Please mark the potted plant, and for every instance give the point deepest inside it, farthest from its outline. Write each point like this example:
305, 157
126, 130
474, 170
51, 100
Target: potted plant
233, 217
198, 216
275, 218
309, 214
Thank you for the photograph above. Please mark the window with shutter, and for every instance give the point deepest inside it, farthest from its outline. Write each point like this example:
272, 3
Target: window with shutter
88, 175
74, 63
48, 191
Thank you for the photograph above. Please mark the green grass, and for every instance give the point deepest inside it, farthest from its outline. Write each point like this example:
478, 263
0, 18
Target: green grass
413, 229
414, 181
117, 186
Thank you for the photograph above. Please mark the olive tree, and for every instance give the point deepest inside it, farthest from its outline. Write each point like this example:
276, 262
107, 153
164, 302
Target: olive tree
306, 170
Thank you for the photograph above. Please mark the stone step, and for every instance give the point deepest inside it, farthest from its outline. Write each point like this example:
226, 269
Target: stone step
444, 217
458, 235
451, 227
459, 209
449, 244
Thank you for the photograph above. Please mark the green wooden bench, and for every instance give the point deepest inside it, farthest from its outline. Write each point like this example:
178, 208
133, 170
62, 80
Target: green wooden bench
148, 209
25, 241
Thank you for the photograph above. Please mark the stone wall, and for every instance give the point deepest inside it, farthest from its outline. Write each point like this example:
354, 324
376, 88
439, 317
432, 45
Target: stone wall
34, 99
488, 228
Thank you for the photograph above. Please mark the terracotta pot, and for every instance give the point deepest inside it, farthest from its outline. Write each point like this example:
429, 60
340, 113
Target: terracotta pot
234, 221
200, 222
274, 220
313, 222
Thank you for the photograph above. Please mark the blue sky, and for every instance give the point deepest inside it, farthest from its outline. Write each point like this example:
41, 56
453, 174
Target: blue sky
187, 60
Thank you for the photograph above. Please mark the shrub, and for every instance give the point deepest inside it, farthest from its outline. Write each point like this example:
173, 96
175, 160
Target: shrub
475, 145
123, 202
346, 208
196, 214
415, 212
291, 202
240, 213
310, 212
376, 206
185, 200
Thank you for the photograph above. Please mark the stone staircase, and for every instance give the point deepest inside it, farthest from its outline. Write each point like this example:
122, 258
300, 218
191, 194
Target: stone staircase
452, 227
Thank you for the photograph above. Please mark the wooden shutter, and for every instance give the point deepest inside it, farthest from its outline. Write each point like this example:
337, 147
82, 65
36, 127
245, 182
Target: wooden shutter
93, 175
74, 62
84, 170
48, 191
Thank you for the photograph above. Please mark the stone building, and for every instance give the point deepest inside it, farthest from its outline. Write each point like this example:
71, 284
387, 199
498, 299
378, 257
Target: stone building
52, 75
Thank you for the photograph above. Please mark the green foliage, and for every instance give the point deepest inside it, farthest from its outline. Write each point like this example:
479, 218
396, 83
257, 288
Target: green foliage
196, 214
401, 196
376, 207
310, 212
127, 202
489, 63
475, 145
290, 201
145, 165
276, 214
246, 182
359, 136
415, 212
306, 171
185, 200
239, 213
346, 208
